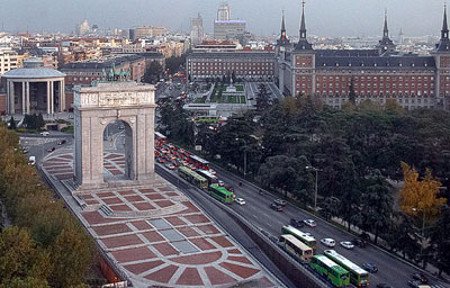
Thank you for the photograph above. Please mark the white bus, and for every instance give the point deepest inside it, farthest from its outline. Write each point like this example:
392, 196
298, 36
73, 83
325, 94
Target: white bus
296, 248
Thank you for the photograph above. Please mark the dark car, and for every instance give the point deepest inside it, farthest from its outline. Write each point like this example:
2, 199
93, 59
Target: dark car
359, 242
280, 202
296, 223
370, 267
276, 207
51, 149
383, 285
420, 277
62, 142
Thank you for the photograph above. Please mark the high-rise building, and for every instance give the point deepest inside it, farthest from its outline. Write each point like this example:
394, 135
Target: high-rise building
380, 75
9, 60
197, 32
84, 28
227, 28
224, 12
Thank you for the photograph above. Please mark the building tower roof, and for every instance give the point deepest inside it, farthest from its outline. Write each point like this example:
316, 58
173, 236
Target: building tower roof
444, 43
385, 45
303, 43
283, 36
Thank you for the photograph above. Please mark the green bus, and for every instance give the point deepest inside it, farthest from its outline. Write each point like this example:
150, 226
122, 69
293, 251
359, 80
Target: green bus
221, 193
192, 177
358, 276
295, 247
305, 238
326, 267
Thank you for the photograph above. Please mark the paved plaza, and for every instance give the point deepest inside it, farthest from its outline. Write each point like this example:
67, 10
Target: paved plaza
156, 235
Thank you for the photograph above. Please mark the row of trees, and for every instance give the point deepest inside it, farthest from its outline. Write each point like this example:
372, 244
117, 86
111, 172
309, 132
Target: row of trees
46, 247
358, 150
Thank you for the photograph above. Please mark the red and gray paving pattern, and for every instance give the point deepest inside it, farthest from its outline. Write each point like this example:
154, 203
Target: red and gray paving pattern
157, 236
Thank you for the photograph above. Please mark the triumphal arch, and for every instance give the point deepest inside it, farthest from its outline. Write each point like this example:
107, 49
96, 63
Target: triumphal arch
132, 104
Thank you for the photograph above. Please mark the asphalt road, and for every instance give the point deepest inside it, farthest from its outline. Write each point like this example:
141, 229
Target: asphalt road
257, 211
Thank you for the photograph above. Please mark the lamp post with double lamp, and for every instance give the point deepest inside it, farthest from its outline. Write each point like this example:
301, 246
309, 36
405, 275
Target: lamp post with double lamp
309, 167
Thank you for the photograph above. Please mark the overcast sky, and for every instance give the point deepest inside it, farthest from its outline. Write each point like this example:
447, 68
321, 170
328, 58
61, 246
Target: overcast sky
324, 17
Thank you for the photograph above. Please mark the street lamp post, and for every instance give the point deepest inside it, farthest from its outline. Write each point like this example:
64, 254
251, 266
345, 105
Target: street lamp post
315, 190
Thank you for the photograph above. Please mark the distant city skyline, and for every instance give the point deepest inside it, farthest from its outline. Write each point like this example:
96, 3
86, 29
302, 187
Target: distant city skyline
323, 18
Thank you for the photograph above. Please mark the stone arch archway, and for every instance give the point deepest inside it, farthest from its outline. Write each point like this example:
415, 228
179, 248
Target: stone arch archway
94, 108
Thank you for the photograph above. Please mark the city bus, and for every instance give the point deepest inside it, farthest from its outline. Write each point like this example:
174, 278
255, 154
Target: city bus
295, 247
358, 276
192, 177
329, 269
199, 162
212, 179
305, 238
221, 193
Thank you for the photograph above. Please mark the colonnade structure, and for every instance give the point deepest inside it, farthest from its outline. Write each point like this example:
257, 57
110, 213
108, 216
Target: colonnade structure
35, 89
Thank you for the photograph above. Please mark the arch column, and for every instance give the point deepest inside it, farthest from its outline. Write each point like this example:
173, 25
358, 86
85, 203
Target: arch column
12, 107
48, 97
52, 97
62, 95
24, 107
28, 97
7, 96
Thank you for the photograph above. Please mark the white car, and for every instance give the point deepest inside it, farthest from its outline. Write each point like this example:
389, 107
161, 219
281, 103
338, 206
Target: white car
310, 222
240, 201
329, 242
45, 133
347, 244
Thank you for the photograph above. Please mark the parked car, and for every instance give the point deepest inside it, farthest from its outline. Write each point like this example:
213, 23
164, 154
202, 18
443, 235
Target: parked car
310, 222
347, 244
296, 223
280, 202
420, 277
276, 207
359, 242
329, 242
240, 201
370, 267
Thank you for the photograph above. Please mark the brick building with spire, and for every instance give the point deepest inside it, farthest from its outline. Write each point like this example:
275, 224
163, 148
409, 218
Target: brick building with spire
378, 74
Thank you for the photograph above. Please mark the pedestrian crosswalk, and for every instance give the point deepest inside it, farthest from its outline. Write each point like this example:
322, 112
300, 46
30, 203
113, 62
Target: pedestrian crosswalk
439, 286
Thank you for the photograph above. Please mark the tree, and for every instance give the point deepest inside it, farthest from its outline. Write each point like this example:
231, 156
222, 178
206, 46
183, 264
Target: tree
19, 257
153, 73
376, 205
440, 239
420, 198
173, 63
70, 258
263, 97
40, 123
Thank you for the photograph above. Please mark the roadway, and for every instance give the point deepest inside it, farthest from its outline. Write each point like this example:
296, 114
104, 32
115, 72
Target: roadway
391, 270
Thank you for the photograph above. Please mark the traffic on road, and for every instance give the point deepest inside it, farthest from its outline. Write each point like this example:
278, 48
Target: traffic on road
338, 257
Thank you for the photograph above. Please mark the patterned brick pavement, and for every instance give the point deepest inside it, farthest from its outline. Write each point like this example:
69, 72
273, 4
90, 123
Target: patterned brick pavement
158, 237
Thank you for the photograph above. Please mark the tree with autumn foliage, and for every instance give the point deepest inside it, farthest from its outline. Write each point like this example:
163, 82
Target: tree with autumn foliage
420, 197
